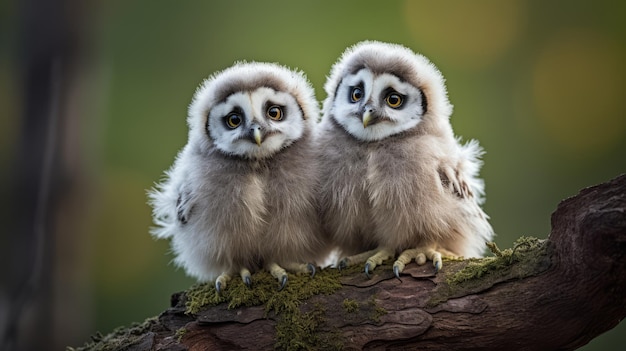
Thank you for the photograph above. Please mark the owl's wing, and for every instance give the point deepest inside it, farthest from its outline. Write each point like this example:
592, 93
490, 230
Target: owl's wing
460, 175
184, 205
452, 180
171, 203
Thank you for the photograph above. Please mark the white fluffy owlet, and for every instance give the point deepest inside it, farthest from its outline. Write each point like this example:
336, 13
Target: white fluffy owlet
241, 194
395, 181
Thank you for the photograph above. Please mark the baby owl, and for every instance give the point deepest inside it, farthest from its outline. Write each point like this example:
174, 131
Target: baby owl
240, 195
396, 181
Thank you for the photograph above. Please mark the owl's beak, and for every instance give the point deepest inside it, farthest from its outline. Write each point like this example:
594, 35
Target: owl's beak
369, 118
256, 134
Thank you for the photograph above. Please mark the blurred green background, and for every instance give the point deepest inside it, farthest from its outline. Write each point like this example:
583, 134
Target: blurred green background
540, 84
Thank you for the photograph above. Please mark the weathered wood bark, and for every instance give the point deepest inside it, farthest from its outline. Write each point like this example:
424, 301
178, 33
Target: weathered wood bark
555, 294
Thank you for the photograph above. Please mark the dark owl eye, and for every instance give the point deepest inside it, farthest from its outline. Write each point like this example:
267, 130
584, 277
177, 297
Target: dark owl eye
394, 100
356, 94
233, 120
275, 113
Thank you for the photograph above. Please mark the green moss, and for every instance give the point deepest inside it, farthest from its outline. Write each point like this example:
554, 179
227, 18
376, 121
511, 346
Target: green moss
294, 330
180, 333
377, 311
120, 338
350, 305
529, 256
525, 250
300, 331
264, 291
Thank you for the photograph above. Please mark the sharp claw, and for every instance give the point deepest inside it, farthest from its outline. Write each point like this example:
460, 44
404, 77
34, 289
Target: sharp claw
218, 287
248, 281
311, 268
396, 271
343, 264
283, 283
437, 266
367, 270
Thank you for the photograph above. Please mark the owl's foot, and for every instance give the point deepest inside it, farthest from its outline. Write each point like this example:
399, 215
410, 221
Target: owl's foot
371, 258
224, 278
280, 273
420, 254
221, 282
301, 268
246, 277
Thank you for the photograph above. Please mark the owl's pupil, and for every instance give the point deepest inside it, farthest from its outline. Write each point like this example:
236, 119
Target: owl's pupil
273, 112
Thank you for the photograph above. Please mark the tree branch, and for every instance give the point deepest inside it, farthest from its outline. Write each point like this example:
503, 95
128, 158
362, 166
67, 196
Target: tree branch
557, 293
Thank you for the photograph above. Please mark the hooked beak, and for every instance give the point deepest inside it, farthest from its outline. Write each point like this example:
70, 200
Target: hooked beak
256, 134
369, 118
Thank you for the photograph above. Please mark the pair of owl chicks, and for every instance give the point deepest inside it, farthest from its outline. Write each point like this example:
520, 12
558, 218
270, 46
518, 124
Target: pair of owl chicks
261, 184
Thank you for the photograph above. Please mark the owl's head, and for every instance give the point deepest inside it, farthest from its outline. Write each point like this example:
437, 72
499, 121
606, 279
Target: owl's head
377, 90
252, 110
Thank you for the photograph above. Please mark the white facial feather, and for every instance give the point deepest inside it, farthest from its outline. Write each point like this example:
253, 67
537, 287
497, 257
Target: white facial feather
246, 77
252, 108
375, 90
379, 57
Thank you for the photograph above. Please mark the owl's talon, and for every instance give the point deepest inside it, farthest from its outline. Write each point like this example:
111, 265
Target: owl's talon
218, 287
367, 270
221, 282
437, 264
311, 268
398, 266
245, 276
396, 272
283, 282
343, 264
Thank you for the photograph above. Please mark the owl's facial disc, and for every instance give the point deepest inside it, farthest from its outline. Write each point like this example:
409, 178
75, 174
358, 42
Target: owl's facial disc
377, 105
255, 124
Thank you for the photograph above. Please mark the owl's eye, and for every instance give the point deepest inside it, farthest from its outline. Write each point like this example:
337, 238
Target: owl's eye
275, 113
233, 120
394, 100
356, 94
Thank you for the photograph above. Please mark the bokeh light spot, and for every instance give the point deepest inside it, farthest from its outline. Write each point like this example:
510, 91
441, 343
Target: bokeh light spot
470, 34
578, 86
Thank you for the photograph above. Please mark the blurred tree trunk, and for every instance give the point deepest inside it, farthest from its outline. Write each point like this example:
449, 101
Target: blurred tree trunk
48, 179
555, 294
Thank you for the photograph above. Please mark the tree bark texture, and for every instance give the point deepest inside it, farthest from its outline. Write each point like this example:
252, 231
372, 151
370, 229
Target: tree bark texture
553, 294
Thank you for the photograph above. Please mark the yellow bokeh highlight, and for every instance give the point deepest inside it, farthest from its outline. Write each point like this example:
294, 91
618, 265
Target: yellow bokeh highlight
578, 90
468, 34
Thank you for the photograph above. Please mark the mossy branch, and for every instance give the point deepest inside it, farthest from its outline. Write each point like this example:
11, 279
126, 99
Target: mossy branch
557, 293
